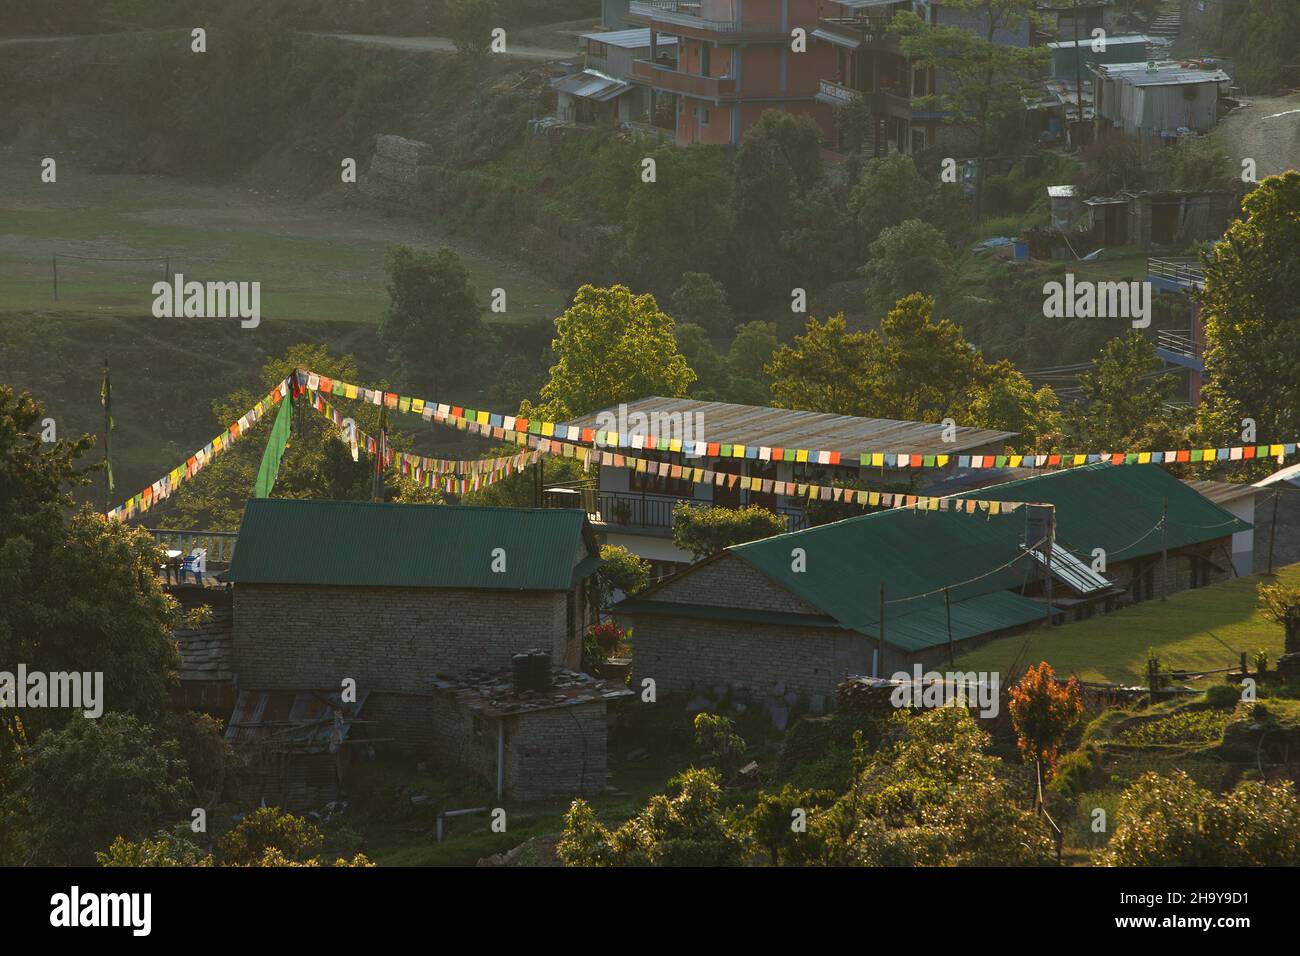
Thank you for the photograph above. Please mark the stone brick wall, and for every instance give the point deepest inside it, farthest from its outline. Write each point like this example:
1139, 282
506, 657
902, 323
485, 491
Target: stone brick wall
732, 582
682, 654
1197, 566
558, 753
389, 640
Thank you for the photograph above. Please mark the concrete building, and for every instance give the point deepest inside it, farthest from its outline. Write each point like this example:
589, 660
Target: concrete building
634, 508
390, 595
870, 66
734, 62
804, 609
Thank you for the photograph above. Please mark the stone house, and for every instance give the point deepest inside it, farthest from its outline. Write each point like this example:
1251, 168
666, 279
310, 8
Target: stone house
389, 595
535, 744
803, 610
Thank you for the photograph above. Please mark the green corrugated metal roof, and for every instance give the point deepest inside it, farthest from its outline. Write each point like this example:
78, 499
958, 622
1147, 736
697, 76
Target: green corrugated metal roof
915, 552
294, 541
911, 552
982, 614
1115, 506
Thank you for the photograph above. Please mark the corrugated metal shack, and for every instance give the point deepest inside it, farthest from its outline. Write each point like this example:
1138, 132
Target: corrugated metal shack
295, 747
1159, 101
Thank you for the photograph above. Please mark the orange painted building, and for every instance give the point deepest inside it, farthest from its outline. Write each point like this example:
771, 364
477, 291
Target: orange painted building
735, 59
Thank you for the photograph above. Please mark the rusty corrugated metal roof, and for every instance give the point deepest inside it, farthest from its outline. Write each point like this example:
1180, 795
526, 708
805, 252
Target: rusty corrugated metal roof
788, 428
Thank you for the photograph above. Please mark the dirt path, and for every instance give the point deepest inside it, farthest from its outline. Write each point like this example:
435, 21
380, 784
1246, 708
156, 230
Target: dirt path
443, 45
1267, 130
410, 44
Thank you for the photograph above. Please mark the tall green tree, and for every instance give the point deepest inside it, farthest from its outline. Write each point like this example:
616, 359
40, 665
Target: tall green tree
778, 161
985, 74
701, 300
826, 369
1123, 399
316, 464
433, 328
613, 346
1251, 308
80, 594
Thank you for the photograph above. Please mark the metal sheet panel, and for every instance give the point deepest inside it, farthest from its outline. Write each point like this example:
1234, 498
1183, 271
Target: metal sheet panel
291, 541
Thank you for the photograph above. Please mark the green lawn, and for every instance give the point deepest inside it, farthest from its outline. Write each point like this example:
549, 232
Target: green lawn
319, 260
1113, 647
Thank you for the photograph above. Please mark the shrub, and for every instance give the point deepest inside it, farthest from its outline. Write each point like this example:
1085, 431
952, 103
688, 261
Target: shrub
717, 737
780, 824
267, 830
1077, 771
683, 827
703, 531
1221, 696
1172, 821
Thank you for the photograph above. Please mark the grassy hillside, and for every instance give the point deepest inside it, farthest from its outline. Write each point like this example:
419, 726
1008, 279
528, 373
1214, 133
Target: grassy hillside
321, 260
1113, 648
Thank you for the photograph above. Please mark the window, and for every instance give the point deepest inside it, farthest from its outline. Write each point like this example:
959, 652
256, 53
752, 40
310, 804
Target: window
702, 113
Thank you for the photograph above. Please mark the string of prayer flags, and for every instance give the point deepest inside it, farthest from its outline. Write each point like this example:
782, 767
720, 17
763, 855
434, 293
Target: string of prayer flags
166, 486
464, 419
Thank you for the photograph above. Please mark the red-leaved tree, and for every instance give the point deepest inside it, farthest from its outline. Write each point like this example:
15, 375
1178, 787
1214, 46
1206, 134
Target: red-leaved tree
1043, 710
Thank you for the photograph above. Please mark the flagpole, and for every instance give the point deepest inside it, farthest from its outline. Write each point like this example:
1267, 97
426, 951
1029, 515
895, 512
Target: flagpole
106, 400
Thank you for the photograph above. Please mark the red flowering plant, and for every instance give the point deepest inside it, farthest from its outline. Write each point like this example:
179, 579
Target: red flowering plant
607, 635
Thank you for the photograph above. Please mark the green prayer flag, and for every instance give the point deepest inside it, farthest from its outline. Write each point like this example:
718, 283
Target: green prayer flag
275, 446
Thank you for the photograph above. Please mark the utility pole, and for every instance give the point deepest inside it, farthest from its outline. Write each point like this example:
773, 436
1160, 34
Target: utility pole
1078, 65
1164, 549
877, 656
1051, 543
947, 607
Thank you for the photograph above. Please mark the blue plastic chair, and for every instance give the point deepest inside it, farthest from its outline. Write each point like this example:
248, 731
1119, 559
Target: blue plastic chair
194, 563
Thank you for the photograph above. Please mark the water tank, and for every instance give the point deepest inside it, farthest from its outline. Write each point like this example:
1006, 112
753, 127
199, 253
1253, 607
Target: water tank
531, 671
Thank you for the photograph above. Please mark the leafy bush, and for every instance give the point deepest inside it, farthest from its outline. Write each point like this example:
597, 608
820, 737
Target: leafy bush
818, 753
703, 531
779, 824
80, 787
1077, 771
1221, 696
683, 827
1172, 821
717, 737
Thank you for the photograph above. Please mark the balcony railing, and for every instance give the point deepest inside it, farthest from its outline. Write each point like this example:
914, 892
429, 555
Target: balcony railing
690, 84
682, 14
869, 29
839, 93
1180, 344
1185, 271
220, 545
